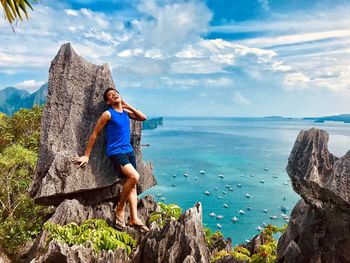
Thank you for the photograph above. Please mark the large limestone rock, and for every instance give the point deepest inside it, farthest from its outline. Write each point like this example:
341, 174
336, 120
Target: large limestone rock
319, 227
179, 241
74, 103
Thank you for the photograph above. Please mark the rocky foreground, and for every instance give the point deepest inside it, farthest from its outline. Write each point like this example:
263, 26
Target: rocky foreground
318, 230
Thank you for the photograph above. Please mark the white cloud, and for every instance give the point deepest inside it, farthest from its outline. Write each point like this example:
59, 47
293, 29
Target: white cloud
29, 85
238, 98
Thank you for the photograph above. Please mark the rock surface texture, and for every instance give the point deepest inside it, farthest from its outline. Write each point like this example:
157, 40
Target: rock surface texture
74, 104
319, 227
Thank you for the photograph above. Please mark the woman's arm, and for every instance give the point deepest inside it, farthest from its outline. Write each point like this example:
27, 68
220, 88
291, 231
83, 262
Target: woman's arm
102, 121
133, 113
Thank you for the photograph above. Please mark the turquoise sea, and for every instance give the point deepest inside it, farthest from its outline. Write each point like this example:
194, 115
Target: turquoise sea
251, 155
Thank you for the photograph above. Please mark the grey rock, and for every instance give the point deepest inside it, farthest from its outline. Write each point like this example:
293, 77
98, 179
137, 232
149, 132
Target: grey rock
74, 103
61, 253
320, 178
319, 226
179, 241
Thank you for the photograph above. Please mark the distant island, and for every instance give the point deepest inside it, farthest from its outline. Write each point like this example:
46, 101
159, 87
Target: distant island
341, 117
13, 99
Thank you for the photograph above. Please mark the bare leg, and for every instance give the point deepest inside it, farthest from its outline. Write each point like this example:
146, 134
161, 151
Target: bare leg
133, 177
133, 206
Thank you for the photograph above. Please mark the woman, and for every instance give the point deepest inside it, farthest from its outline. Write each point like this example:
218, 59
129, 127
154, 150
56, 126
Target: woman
116, 119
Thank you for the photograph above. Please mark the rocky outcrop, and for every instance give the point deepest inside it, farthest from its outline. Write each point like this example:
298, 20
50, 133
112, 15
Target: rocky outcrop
178, 241
319, 227
74, 103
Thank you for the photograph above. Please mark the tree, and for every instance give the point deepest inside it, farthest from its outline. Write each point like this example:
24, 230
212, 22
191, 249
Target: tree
15, 9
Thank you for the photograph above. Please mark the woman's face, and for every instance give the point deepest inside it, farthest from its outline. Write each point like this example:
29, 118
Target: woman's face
113, 97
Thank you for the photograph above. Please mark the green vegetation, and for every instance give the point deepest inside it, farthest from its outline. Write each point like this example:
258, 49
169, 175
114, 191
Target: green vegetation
214, 240
166, 213
20, 218
15, 9
266, 253
95, 231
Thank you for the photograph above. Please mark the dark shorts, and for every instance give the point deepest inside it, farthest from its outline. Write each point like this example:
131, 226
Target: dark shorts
122, 159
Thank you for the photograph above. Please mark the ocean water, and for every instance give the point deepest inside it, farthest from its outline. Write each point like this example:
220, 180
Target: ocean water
252, 152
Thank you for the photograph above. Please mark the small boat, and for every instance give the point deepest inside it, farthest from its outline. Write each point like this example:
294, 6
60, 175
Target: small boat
207, 192
284, 216
242, 175
283, 209
163, 198
273, 217
218, 226
284, 198
219, 196
241, 212
264, 224
259, 228
239, 185
247, 240
159, 194
215, 188
252, 175
219, 217
174, 175
201, 172
186, 174
231, 189
262, 181
275, 176
221, 176
249, 208
285, 183
225, 205
266, 169
227, 186
224, 192
234, 219
265, 210
212, 214
247, 195
196, 178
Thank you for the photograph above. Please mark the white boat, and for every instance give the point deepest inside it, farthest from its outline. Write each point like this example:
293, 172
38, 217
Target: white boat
264, 224
275, 176
266, 169
249, 208
163, 198
219, 217
215, 188
239, 185
218, 226
285, 183
225, 205
247, 195
196, 178
273, 217
241, 212
186, 174
201, 172
219, 196
207, 192
234, 219
174, 175
252, 175
259, 228
221, 176
212, 214
227, 186
231, 189
284, 216
159, 194
265, 210
262, 181
224, 192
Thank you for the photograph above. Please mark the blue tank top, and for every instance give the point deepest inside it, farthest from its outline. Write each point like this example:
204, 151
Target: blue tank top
118, 133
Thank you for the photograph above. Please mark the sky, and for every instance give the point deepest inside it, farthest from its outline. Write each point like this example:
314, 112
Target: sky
238, 58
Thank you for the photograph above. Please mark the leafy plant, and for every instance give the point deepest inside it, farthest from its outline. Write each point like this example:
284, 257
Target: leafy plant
14, 9
166, 213
213, 239
96, 231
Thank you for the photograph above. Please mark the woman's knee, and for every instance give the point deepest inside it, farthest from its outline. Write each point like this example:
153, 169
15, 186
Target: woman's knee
135, 177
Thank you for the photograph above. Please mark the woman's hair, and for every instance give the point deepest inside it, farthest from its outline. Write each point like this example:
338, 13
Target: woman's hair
106, 91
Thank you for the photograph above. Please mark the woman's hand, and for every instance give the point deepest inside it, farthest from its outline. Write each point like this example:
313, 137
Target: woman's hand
83, 161
125, 105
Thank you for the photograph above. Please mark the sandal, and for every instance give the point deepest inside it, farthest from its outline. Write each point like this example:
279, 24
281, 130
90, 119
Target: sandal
141, 227
118, 224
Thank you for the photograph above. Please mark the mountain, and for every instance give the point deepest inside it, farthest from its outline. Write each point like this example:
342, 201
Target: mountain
12, 99
341, 117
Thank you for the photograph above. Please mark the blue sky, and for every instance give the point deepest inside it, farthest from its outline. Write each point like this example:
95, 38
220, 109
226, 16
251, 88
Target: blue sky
196, 58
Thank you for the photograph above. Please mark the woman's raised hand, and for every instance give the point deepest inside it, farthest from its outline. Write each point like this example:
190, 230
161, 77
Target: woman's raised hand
82, 160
